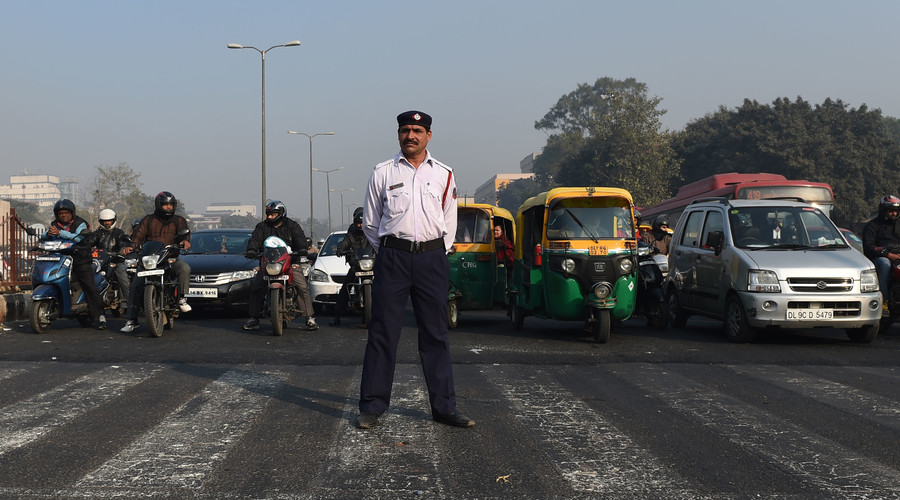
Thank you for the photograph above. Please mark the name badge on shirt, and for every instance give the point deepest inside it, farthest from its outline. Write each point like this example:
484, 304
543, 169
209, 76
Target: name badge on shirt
395, 186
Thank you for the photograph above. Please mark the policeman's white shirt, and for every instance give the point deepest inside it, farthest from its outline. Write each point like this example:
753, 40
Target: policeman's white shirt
406, 202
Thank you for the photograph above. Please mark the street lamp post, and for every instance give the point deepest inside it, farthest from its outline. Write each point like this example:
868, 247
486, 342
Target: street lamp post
262, 53
342, 202
328, 191
310, 137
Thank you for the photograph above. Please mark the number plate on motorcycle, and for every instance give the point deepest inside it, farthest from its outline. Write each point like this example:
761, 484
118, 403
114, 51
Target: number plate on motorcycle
202, 292
152, 272
809, 314
366, 273
598, 250
280, 277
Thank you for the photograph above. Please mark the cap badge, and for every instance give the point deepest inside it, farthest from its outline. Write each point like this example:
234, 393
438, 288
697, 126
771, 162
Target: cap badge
417, 117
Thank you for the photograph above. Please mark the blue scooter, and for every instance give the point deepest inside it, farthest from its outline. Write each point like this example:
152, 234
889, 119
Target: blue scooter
54, 293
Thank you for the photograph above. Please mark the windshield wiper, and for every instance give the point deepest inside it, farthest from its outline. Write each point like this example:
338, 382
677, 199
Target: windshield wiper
832, 245
792, 246
583, 228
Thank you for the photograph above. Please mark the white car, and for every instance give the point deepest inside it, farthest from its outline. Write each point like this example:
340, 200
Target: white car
328, 273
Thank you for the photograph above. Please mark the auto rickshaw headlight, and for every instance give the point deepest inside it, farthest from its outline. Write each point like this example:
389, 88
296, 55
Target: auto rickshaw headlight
601, 290
626, 265
568, 265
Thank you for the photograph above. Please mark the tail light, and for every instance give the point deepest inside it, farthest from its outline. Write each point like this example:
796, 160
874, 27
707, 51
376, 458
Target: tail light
538, 258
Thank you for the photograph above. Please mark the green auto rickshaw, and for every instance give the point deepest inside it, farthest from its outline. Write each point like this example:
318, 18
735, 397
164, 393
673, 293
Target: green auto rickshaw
576, 258
478, 278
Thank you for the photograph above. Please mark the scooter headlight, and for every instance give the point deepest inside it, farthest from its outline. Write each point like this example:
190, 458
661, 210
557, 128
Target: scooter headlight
568, 265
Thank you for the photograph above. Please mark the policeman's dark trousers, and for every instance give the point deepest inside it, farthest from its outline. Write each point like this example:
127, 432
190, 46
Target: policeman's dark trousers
84, 273
422, 277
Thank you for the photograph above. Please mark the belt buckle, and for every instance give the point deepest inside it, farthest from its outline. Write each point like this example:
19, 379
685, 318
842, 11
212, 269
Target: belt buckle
417, 247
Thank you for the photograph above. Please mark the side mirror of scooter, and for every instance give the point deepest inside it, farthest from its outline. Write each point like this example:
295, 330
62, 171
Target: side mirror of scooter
714, 240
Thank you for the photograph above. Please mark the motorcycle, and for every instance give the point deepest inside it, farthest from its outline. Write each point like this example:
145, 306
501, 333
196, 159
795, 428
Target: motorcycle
113, 300
283, 294
651, 301
161, 283
54, 293
360, 289
893, 294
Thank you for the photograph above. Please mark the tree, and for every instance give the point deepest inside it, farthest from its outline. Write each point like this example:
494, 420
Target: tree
850, 149
29, 213
608, 134
116, 187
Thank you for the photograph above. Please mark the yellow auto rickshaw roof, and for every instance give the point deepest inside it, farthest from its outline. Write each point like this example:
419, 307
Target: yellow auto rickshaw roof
547, 197
495, 210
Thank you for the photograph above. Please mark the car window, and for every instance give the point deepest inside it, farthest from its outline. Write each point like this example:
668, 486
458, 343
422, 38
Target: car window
331, 243
219, 242
691, 235
714, 222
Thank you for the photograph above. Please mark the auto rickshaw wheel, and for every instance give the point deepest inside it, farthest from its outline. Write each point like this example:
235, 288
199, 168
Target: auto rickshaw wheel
601, 325
518, 316
452, 313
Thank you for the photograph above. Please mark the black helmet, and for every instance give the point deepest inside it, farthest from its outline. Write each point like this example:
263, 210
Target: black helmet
889, 202
275, 207
660, 221
358, 215
165, 197
63, 204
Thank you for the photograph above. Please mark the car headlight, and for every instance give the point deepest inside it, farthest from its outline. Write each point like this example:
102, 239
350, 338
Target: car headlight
868, 281
149, 261
626, 265
319, 275
366, 264
568, 265
242, 275
760, 280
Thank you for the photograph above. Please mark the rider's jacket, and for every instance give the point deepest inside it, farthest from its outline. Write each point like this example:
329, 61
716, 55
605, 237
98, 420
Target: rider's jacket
353, 241
288, 230
878, 234
163, 229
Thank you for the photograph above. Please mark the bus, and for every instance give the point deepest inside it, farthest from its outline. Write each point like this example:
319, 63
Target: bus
736, 186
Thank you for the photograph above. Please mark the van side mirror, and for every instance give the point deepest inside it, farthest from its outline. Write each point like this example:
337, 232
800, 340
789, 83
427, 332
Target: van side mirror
714, 240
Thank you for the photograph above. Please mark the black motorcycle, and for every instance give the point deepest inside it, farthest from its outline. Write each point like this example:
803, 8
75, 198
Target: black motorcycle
113, 299
360, 288
161, 283
651, 301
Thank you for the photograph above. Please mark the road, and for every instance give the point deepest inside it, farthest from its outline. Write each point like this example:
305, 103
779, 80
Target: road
211, 411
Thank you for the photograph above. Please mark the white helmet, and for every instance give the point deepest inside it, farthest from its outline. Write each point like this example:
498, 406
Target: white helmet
107, 214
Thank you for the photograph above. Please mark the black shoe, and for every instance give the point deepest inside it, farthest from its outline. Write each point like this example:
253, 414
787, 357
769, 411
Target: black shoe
455, 419
366, 420
251, 324
336, 322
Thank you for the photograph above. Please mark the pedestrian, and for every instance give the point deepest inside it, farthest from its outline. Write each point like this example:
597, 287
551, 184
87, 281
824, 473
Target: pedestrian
410, 220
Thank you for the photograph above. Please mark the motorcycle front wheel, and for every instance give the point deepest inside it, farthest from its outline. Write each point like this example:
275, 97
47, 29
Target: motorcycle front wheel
276, 308
153, 310
40, 316
367, 304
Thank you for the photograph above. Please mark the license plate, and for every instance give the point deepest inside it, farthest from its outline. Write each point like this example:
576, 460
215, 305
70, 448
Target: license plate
366, 273
282, 277
598, 250
152, 272
809, 314
202, 292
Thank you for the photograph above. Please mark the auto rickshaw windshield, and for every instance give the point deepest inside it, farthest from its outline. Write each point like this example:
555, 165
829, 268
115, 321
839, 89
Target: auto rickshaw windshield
590, 218
473, 226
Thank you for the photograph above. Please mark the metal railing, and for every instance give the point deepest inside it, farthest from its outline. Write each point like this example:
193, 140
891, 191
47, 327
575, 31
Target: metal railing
16, 255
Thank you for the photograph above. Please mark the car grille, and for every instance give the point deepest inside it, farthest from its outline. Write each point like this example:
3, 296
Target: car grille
211, 279
841, 309
820, 285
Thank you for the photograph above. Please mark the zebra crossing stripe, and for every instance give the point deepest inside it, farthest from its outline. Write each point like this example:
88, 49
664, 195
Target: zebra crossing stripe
816, 461
396, 458
590, 452
871, 406
28, 420
181, 451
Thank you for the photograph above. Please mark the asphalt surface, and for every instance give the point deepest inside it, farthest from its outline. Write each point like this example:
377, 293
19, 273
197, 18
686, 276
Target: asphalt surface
212, 411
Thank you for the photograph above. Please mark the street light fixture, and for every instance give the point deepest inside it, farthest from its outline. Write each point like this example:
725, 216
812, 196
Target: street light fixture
262, 53
328, 191
310, 137
342, 202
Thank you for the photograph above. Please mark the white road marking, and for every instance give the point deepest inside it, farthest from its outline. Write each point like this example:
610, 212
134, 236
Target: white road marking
813, 460
28, 420
590, 453
182, 450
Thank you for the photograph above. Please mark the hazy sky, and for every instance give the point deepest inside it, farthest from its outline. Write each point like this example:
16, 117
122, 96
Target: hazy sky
151, 83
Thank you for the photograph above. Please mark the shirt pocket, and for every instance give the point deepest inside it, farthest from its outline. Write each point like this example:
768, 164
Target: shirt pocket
398, 201
434, 194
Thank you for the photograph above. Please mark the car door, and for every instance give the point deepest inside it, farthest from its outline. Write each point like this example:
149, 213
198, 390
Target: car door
709, 295
681, 258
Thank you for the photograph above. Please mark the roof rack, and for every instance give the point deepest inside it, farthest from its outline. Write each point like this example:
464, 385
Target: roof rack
715, 199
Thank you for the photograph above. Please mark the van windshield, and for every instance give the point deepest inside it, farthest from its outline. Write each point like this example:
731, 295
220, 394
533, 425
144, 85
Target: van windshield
589, 218
773, 227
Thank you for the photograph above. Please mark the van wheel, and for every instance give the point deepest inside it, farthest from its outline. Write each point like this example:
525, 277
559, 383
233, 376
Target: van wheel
736, 326
863, 335
677, 316
657, 316
601, 325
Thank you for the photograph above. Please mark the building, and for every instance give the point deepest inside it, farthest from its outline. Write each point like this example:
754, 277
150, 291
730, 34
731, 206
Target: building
487, 192
43, 190
231, 208
527, 163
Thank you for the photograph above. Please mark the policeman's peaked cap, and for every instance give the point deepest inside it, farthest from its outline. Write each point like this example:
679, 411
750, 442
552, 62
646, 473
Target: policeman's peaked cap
414, 118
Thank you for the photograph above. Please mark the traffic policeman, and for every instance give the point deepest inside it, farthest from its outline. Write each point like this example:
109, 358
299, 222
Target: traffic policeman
410, 220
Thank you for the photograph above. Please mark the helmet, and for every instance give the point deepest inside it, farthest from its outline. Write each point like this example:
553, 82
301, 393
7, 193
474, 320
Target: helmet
358, 215
63, 205
107, 214
163, 198
889, 202
660, 221
275, 207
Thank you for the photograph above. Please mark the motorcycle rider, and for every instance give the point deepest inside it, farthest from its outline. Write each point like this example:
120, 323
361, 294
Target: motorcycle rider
277, 223
162, 226
659, 237
68, 226
112, 240
354, 240
880, 236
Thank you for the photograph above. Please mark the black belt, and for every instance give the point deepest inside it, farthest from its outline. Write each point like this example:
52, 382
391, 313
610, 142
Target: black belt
412, 246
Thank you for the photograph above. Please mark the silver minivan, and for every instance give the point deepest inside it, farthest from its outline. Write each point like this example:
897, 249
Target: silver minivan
769, 263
